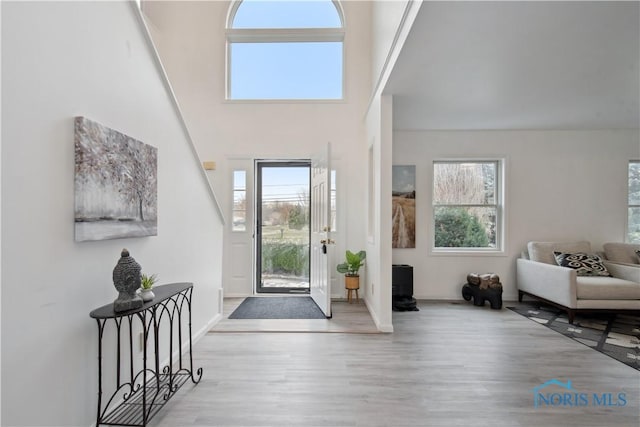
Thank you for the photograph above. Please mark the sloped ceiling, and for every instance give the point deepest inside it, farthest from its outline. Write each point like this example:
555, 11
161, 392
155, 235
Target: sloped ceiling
519, 65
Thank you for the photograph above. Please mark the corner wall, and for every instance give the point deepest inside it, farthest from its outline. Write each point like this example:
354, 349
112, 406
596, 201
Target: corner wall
387, 17
61, 60
378, 265
560, 185
391, 23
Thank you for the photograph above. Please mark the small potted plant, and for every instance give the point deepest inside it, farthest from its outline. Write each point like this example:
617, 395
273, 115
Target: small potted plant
350, 268
146, 285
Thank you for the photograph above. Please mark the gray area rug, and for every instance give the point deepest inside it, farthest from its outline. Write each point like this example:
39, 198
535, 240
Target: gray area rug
277, 308
616, 335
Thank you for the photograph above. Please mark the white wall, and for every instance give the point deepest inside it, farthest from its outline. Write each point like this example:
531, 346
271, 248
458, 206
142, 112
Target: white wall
61, 60
386, 18
560, 185
391, 23
234, 133
378, 265
0, 231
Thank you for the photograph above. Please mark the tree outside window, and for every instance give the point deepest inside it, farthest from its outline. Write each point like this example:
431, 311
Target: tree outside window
466, 210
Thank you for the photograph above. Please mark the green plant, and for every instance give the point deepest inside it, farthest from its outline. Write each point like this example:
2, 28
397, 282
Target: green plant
352, 264
146, 282
287, 258
298, 218
456, 228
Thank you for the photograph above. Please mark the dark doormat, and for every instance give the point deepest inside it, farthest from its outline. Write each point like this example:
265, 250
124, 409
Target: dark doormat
278, 308
616, 335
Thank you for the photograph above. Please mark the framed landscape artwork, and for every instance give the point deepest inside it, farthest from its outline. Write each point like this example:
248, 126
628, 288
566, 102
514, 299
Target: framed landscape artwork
116, 184
404, 206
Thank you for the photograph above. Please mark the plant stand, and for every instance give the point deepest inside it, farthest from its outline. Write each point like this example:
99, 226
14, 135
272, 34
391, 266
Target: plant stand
351, 283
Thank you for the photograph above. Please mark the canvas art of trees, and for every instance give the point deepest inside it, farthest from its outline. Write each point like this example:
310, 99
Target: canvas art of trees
115, 184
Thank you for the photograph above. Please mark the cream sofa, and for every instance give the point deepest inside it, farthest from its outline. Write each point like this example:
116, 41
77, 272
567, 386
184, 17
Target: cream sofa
539, 276
622, 253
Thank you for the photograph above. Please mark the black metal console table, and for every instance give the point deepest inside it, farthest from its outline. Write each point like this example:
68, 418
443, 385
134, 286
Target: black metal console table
139, 394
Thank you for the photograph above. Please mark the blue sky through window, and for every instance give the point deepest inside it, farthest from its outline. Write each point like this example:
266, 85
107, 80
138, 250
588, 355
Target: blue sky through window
285, 183
287, 14
286, 70
269, 68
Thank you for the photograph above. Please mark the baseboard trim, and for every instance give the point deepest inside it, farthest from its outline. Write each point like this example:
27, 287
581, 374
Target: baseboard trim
382, 327
206, 328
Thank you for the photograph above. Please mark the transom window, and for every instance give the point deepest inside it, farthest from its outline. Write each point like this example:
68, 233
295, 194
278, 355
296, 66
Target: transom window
467, 205
633, 218
285, 50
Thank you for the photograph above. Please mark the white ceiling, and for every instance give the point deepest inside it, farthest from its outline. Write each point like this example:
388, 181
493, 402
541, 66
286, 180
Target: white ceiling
519, 65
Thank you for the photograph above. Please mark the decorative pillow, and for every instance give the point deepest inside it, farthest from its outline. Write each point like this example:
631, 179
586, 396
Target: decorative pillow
584, 264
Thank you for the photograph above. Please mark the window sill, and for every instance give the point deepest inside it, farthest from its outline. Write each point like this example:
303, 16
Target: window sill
285, 101
468, 253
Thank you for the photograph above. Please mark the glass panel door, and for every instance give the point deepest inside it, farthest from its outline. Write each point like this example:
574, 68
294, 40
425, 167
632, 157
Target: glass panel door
282, 229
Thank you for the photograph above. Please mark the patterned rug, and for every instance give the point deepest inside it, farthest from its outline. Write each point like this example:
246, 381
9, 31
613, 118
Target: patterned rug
616, 335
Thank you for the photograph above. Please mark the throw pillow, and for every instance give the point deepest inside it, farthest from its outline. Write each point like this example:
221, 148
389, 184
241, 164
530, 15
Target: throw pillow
584, 264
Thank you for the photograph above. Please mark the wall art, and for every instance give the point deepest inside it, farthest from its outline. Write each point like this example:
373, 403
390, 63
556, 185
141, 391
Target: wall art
404, 206
116, 184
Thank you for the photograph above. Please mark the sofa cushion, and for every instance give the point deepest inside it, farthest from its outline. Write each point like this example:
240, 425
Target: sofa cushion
584, 264
543, 251
607, 288
622, 252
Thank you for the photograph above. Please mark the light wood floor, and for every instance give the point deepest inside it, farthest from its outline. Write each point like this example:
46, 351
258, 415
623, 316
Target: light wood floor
347, 318
446, 365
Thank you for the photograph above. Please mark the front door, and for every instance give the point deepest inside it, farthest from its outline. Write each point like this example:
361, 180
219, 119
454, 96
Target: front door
321, 242
282, 226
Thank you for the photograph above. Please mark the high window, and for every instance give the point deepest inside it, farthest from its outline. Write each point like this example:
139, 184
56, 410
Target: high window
285, 50
633, 218
467, 205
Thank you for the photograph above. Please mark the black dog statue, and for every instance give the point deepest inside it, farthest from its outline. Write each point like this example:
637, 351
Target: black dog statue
483, 287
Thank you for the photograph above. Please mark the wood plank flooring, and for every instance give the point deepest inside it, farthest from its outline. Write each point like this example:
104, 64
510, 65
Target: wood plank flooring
446, 365
347, 318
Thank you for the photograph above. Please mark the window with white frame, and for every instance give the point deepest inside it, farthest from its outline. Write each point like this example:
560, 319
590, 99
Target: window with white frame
467, 205
371, 194
239, 214
633, 216
285, 50
334, 201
